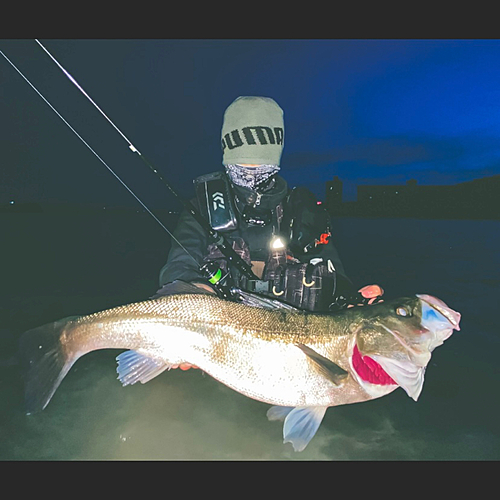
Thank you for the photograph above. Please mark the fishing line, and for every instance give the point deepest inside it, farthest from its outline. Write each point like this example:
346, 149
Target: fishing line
97, 156
78, 86
130, 145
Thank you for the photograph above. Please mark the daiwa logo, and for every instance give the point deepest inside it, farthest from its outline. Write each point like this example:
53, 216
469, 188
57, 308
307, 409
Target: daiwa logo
218, 200
252, 135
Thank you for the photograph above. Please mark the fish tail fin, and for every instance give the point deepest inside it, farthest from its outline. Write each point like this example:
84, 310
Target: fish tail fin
45, 363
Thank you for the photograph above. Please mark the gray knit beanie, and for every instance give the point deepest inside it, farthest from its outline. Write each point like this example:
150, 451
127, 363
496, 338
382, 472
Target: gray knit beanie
252, 132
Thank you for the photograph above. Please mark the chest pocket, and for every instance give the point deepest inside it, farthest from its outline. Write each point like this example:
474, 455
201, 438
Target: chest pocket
215, 199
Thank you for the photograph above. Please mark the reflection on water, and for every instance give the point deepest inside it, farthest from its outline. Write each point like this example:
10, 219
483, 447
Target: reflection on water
53, 272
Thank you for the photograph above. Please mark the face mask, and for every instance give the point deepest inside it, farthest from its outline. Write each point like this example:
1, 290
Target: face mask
250, 177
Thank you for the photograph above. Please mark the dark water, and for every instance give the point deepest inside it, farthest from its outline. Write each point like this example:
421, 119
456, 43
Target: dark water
57, 266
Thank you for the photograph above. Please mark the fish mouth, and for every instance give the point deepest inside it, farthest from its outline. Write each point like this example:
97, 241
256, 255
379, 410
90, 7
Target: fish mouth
452, 316
438, 318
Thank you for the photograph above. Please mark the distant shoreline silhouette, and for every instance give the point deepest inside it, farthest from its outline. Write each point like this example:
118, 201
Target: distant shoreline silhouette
476, 199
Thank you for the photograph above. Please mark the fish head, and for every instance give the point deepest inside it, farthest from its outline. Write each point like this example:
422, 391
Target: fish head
394, 341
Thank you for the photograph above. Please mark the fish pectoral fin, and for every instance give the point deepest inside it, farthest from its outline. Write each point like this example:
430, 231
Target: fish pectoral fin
136, 367
301, 424
325, 366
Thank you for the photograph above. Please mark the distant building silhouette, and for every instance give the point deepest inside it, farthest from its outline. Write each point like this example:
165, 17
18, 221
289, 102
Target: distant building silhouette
476, 199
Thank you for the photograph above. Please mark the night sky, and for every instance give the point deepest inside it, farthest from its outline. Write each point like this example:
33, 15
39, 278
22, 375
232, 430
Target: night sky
369, 111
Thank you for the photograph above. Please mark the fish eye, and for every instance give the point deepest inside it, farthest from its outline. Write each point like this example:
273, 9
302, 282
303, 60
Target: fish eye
403, 311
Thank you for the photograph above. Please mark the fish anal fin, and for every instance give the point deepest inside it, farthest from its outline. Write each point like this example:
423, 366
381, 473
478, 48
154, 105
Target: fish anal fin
136, 367
325, 366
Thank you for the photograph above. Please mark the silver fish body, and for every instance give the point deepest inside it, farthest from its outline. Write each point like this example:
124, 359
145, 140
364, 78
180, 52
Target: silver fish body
287, 358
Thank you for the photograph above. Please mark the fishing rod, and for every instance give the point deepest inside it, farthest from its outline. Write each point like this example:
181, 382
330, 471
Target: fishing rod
211, 271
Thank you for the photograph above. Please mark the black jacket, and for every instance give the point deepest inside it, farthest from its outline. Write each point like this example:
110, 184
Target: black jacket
180, 266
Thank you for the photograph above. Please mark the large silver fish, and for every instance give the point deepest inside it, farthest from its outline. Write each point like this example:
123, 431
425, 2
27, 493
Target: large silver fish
300, 362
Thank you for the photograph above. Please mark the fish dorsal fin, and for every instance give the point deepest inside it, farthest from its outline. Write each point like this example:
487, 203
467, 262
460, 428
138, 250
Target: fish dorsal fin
325, 366
255, 300
136, 367
179, 287
301, 423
